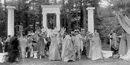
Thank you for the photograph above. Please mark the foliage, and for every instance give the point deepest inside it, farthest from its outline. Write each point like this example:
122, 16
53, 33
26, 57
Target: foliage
107, 21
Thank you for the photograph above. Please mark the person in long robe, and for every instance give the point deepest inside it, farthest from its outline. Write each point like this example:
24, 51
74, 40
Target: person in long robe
87, 45
69, 53
96, 47
23, 45
128, 41
73, 41
90, 43
123, 45
127, 55
29, 48
79, 44
114, 44
63, 46
83, 34
41, 46
54, 53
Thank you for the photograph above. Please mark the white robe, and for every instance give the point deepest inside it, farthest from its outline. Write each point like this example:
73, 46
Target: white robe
79, 41
68, 52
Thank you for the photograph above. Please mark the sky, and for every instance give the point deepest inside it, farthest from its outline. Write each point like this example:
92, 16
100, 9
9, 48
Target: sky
105, 3
2, 1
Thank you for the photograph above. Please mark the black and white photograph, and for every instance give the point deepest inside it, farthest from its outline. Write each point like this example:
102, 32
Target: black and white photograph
64, 32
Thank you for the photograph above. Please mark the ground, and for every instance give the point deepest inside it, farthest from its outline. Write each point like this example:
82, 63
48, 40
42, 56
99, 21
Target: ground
83, 61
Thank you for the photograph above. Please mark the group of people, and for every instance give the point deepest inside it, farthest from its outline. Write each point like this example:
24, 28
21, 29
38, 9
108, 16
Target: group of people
120, 45
54, 44
70, 47
60, 45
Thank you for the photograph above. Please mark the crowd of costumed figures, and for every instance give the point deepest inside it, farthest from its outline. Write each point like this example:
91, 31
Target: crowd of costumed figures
62, 46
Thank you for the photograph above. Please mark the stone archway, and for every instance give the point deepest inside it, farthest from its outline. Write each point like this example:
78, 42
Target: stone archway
51, 9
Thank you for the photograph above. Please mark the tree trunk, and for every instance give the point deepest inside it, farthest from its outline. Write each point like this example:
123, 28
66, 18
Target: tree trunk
84, 17
69, 21
69, 24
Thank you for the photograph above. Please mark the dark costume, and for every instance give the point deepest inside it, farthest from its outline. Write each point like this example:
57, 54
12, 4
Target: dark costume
1, 47
13, 49
48, 44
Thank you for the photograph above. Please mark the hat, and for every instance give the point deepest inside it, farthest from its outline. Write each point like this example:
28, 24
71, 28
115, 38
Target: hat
76, 30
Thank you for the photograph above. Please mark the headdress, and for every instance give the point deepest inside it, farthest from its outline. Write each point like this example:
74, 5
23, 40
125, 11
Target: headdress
76, 30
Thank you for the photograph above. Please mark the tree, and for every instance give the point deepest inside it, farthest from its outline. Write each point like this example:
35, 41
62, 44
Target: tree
107, 22
2, 20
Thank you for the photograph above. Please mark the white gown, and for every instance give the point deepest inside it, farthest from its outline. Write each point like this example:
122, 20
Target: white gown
126, 56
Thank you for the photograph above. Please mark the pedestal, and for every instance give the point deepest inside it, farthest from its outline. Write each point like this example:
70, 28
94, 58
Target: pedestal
10, 23
91, 19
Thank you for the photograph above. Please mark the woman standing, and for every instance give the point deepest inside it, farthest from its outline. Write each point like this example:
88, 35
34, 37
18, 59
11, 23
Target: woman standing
114, 43
54, 53
123, 45
68, 53
96, 47
41, 45
90, 43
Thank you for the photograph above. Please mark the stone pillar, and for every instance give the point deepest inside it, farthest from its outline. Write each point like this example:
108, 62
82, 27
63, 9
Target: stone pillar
91, 19
10, 23
44, 23
58, 21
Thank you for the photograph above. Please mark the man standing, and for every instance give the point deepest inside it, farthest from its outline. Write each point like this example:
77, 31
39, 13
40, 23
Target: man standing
78, 43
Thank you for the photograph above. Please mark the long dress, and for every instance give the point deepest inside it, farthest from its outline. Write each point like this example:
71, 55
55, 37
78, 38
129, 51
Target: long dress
96, 48
63, 47
54, 53
123, 45
128, 41
69, 53
23, 45
41, 45
90, 43
87, 45
114, 43
127, 55
90, 49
